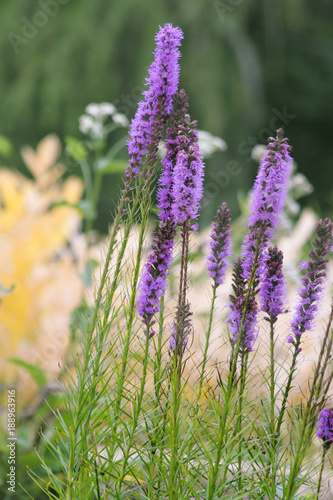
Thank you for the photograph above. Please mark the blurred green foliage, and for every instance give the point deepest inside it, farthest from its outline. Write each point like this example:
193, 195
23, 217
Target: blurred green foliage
244, 62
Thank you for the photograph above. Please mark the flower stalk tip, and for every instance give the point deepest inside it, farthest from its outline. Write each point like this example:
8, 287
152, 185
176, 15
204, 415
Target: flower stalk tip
220, 245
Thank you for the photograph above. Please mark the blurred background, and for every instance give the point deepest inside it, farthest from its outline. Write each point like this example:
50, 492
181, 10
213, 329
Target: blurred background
248, 67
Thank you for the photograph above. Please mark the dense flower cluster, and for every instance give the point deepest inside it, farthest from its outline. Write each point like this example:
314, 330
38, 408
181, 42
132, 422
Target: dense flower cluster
325, 426
175, 137
272, 289
179, 195
269, 193
220, 245
313, 282
153, 281
187, 186
181, 183
163, 80
270, 187
181, 328
243, 316
268, 199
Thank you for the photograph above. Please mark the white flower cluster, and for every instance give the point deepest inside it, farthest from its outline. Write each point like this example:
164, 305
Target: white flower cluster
208, 144
93, 121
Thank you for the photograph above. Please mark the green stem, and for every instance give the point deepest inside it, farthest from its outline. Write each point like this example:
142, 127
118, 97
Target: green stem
213, 474
130, 321
244, 361
88, 372
116, 147
325, 448
208, 334
177, 365
157, 427
272, 449
134, 423
287, 389
88, 182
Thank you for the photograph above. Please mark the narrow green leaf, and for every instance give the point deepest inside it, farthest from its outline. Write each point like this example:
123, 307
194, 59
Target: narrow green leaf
6, 147
76, 149
35, 371
105, 166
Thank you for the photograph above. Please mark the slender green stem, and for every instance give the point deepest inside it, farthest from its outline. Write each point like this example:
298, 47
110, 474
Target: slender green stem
272, 432
88, 182
213, 474
207, 342
244, 361
325, 449
272, 375
177, 365
315, 402
136, 414
130, 320
157, 428
116, 147
89, 370
287, 389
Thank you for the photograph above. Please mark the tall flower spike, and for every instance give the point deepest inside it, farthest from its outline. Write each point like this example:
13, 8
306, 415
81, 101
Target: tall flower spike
237, 307
268, 199
153, 281
181, 329
188, 174
312, 285
325, 426
177, 123
273, 287
163, 79
220, 245
181, 184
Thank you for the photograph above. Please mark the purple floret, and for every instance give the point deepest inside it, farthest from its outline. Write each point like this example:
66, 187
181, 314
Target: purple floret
268, 199
181, 184
239, 309
146, 126
187, 187
273, 287
325, 426
153, 282
270, 186
176, 141
220, 245
312, 285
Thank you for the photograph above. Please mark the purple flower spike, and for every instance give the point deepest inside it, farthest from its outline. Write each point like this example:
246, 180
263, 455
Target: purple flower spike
153, 281
312, 286
175, 141
181, 184
270, 187
248, 327
220, 245
181, 329
273, 287
187, 188
163, 79
325, 426
268, 199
